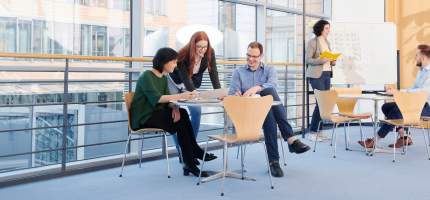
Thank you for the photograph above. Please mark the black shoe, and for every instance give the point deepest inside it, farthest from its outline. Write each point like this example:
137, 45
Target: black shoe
195, 172
275, 169
196, 162
209, 157
298, 147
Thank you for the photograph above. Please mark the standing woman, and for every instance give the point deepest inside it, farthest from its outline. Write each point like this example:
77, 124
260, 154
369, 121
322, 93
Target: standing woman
150, 108
193, 60
319, 71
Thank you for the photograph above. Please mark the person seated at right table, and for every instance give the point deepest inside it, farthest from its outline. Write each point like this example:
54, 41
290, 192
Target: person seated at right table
391, 111
150, 108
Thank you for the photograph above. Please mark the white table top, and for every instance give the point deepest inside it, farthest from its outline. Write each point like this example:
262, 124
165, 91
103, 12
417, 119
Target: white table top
209, 103
374, 97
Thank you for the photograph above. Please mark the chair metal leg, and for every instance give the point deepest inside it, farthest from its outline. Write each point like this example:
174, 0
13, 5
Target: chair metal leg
428, 136
140, 152
125, 155
203, 162
167, 154
316, 137
268, 166
346, 133
241, 163
334, 134
426, 144
225, 167
238, 150
361, 132
405, 142
394, 142
375, 139
283, 151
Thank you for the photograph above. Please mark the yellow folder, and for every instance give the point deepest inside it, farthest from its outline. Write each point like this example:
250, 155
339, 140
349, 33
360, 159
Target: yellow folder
330, 55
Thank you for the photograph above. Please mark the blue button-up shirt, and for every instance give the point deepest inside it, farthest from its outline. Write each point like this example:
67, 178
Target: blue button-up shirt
422, 82
244, 78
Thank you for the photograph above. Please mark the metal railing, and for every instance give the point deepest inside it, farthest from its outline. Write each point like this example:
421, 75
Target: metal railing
288, 74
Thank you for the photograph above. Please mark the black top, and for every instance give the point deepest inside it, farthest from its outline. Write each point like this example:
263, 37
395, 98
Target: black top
180, 75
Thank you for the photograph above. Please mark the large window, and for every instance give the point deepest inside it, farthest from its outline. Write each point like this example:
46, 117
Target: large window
295, 4
236, 22
7, 34
78, 27
41, 38
24, 36
281, 36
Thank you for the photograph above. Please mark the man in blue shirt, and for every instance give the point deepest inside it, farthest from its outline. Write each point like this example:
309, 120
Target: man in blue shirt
257, 78
391, 111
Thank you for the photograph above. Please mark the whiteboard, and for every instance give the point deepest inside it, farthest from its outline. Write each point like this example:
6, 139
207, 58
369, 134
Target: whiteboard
368, 53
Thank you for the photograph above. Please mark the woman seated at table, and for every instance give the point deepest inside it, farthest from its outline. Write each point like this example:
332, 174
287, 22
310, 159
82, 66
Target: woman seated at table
150, 108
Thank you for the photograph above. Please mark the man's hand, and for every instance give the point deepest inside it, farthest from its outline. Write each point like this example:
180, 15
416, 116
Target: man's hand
391, 91
238, 93
176, 115
252, 91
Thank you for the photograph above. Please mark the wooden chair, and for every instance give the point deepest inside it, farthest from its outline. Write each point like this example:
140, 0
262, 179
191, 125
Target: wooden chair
410, 105
141, 132
326, 101
346, 108
248, 115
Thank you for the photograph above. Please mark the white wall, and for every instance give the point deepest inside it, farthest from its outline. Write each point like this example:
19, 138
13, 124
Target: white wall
358, 10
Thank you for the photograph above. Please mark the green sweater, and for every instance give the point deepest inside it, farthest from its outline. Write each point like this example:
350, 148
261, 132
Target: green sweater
149, 89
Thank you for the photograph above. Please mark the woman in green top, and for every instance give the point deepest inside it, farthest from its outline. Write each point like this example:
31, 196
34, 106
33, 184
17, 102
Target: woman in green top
150, 108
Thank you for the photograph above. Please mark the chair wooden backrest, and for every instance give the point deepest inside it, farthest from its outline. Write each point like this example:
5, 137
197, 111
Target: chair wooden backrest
326, 101
248, 115
410, 105
347, 105
128, 98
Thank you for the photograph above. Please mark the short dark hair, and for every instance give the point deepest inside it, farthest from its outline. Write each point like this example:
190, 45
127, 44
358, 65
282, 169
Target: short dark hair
424, 49
163, 56
256, 44
319, 27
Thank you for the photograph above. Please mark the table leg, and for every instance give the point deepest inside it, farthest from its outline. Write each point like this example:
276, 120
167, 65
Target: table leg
376, 110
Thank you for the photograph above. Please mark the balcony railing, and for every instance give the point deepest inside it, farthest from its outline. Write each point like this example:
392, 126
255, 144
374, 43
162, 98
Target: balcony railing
56, 110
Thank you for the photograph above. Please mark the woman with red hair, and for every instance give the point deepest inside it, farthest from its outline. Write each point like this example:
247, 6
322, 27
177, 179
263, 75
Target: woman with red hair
193, 60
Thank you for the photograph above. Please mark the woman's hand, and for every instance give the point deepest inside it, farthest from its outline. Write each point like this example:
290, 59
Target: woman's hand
176, 115
325, 60
188, 95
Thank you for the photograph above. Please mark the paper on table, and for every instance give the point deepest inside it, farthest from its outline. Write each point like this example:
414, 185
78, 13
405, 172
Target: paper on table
330, 55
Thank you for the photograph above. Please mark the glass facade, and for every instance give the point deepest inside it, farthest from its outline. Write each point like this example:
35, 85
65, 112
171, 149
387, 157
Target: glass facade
32, 114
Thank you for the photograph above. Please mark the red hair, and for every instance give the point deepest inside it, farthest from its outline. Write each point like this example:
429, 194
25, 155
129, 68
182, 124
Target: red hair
188, 52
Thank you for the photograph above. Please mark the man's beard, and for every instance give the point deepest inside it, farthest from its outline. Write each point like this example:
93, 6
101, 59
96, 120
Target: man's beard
419, 64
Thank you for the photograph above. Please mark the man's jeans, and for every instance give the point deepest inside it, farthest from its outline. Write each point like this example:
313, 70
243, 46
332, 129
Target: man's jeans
276, 116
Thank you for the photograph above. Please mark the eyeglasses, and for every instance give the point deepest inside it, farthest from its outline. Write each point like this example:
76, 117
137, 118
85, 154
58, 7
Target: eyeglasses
251, 56
201, 47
